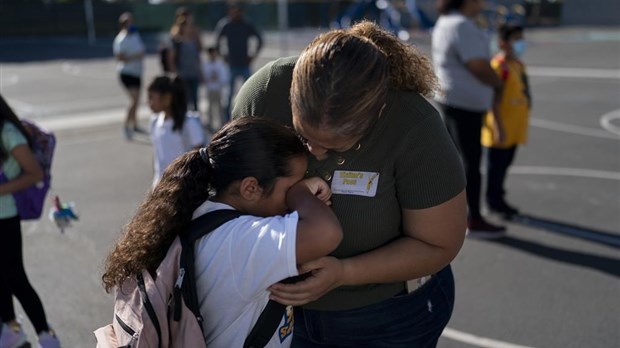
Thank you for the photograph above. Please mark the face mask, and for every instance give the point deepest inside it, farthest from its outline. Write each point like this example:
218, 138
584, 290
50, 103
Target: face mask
518, 47
132, 28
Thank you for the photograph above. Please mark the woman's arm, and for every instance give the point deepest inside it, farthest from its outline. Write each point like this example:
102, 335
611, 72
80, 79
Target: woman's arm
432, 238
31, 170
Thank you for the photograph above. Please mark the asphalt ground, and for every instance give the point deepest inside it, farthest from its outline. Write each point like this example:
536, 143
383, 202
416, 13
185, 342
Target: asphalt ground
552, 282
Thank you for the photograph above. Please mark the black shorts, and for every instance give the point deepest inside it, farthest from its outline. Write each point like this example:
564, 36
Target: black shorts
130, 81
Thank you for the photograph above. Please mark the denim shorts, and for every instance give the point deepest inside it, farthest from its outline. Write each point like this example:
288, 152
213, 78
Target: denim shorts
406, 320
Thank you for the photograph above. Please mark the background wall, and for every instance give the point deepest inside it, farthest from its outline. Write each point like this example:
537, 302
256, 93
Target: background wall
23, 18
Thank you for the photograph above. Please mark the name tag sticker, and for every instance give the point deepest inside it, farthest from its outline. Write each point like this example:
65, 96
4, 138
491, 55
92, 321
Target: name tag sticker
355, 183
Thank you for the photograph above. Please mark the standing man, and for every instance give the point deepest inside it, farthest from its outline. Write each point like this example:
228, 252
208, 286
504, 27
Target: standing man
237, 30
469, 87
129, 52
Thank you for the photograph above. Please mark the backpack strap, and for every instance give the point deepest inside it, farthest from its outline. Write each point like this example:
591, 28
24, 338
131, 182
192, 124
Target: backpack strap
197, 229
269, 319
149, 307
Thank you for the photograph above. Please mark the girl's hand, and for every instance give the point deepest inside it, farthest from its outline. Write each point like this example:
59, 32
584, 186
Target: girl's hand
319, 188
326, 274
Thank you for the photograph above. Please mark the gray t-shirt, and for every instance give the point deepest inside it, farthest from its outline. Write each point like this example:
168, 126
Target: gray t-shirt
456, 40
188, 59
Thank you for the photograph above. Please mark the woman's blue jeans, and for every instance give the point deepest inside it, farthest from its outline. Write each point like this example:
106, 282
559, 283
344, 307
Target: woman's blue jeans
406, 320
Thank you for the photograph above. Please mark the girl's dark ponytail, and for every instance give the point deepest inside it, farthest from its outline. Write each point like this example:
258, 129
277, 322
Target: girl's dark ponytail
163, 215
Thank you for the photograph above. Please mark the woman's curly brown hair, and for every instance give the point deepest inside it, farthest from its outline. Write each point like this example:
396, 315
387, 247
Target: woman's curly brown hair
409, 69
342, 78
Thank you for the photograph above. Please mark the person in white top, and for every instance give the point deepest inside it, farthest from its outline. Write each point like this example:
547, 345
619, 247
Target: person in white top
174, 130
215, 74
129, 52
255, 166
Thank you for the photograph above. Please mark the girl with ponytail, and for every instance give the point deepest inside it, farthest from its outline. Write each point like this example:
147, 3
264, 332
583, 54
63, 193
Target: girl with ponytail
174, 130
255, 166
357, 97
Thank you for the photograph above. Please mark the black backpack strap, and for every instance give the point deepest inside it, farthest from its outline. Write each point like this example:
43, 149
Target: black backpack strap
197, 229
149, 307
271, 316
269, 319
265, 326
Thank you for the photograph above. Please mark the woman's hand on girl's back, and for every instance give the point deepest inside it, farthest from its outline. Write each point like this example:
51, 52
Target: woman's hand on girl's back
327, 273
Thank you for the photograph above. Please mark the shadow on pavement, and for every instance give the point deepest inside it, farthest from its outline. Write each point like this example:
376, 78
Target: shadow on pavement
601, 237
604, 264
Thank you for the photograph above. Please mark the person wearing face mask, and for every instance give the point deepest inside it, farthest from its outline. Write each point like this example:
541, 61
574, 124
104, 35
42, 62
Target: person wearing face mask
469, 87
129, 52
514, 110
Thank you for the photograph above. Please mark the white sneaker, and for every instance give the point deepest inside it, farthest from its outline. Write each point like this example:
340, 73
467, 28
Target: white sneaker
48, 340
12, 336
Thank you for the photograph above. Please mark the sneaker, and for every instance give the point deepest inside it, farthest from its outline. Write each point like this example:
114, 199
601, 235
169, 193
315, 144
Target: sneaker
12, 336
504, 209
479, 228
48, 339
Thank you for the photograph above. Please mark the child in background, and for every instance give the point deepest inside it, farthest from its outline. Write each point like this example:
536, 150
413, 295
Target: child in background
514, 112
129, 52
215, 73
20, 170
255, 166
174, 130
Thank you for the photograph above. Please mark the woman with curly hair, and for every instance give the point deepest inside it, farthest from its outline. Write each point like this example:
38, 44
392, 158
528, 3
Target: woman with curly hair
357, 97
257, 167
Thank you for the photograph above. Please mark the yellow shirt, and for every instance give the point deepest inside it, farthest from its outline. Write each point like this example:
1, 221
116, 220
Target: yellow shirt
514, 107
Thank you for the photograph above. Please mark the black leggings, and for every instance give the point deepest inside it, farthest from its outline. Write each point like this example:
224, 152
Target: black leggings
498, 161
464, 127
13, 279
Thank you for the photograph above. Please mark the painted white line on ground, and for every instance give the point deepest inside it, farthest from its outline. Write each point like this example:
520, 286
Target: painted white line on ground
606, 121
92, 119
574, 72
567, 128
560, 171
477, 340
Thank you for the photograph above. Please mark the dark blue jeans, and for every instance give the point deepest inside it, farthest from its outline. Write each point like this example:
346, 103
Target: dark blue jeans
235, 73
407, 320
191, 88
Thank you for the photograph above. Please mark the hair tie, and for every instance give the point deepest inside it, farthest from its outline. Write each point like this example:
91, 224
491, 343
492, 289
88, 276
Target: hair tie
204, 155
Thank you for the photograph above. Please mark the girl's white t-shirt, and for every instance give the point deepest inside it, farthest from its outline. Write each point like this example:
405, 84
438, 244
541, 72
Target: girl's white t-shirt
169, 144
235, 264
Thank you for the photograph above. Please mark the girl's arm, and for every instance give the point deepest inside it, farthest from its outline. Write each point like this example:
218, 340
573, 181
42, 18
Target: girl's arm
31, 170
318, 230
432, 238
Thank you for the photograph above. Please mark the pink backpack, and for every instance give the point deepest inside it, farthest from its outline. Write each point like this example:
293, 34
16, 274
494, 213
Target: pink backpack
141, 315
163, 311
